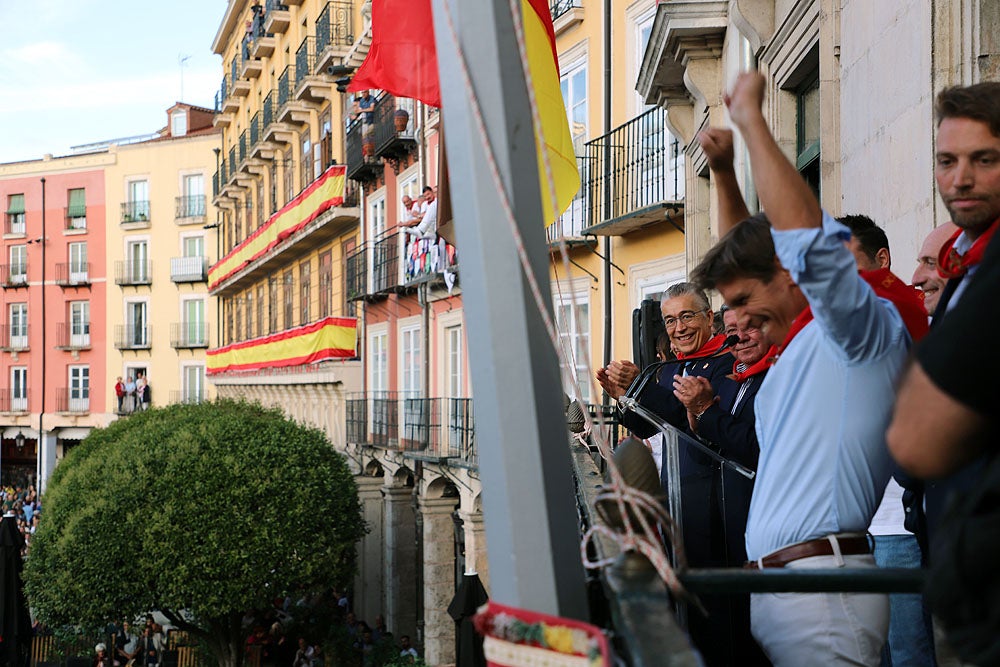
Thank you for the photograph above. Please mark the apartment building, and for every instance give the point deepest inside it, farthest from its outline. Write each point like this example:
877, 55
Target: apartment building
161, 234
52, 317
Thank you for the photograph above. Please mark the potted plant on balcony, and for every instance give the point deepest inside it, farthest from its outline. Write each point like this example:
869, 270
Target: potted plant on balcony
401, 119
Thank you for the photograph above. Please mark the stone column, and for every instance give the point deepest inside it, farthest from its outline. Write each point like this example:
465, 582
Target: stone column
475, 546
368, 589
400, 564
439, 579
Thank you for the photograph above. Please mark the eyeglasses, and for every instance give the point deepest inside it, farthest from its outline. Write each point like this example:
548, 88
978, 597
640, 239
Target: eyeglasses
687, 317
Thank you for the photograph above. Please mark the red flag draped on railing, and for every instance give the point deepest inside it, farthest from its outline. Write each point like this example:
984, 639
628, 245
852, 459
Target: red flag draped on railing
402, 60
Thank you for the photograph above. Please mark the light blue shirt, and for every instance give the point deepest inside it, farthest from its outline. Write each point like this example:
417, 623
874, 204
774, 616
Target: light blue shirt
824, 407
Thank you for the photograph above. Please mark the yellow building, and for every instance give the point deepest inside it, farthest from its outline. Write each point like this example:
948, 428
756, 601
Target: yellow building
160, 240
625, 230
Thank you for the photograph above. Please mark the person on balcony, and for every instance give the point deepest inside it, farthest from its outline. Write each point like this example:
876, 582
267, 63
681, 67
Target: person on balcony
120, 394
364, 108
426, 227
129, 395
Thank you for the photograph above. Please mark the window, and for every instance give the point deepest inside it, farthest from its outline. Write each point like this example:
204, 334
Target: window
272, 304
194, 329
325, 283
76, 209
238, 225
228, 307
18, 264
136, 325
574, 91
193, 381
178, 123
807, 149
137, 206
193, 246
454, 380
238, 318
78, 269
193, 200
376, 216
289, 175
346, 250
260, 310
18, 326
15, 214
79, 388
289, 281
79, 324
260, 203
274, 186
137, 262
305, 289
378, 367
326, 142
573, 322
410, 361
249, 301
307, 168
19, 388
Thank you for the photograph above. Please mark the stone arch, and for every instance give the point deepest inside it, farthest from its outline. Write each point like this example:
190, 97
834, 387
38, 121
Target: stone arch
374, 469
441, 487
403, 477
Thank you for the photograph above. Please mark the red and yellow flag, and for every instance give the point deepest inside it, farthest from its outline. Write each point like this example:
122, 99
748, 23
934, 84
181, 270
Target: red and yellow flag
402, 60
329, 338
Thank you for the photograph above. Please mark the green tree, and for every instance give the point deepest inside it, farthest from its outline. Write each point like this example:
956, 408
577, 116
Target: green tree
198, 511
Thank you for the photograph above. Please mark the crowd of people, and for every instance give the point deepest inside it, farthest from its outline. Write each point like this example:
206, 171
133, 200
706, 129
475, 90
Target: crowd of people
133, 394
21, 502
854, 396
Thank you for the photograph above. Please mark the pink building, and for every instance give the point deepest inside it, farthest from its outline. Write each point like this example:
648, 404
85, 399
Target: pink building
52, 317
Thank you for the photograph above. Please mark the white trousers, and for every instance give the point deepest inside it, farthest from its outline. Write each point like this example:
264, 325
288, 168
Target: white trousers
802, 629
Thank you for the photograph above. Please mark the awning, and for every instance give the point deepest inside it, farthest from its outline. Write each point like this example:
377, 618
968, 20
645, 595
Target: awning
73, 433
325, 193
329, 338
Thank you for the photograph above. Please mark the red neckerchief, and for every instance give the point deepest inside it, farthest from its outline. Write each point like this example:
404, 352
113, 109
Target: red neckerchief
907, 300
798, 324
953, 265
713, 345
757, 367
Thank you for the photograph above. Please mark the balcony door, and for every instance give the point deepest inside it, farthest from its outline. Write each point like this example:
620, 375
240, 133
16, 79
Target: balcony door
79, 388
194, 322
413, 410
193, 380
138, 262
19, 388
138, 201
18, 264
18, 326
79, 324
194, 196
78, 263
454, 387
137, 324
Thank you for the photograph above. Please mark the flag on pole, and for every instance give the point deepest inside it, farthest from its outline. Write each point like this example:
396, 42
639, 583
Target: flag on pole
402, 60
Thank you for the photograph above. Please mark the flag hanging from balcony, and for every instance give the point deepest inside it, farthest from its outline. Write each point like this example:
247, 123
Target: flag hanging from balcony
402, 60
329, 338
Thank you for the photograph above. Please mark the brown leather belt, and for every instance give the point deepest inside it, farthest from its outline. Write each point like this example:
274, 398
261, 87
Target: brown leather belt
850, 545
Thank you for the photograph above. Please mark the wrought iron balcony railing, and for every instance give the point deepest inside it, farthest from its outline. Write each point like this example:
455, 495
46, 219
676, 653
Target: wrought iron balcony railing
189, 269
72, 274
189, 206
188, 335
334, 32
133, 337
633, 173
461, 432
135, 211
404, 421
133, 272
560, 7
13, 402
69, 337
395, 123
570, 225
356, 273
362, 164
190, 396
13, 338
386, 274
75, 400
14, 275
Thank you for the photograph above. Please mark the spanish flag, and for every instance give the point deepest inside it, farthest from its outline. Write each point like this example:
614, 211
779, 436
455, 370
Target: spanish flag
402, 60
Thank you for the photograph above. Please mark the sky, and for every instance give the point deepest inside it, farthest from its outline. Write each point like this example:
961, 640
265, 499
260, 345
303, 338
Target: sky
81, 71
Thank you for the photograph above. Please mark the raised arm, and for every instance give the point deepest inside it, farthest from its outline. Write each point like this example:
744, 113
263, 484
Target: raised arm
784, 195
717, 144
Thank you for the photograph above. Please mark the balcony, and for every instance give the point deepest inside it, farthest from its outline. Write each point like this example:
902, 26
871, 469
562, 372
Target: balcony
14, 225
427, 260
135, 214
310, 86
190, 396
635, 177
73, 401
289, 109
189, 210
189, 269
568, 228
13, 276
253, 48
13, 338
565, 14
73, 339
356, 273
132, 337
334, 34
362, 165
188, 335
73, 274
76, 219
395, 123
133, 273
386, 270
12, 403
427, 427
227, 101
240, 86
276, 17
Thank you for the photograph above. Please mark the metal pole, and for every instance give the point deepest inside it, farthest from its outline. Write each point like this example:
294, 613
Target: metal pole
41, 411
524, 462
608, 284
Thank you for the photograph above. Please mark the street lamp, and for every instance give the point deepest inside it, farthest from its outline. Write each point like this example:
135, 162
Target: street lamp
19, 441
